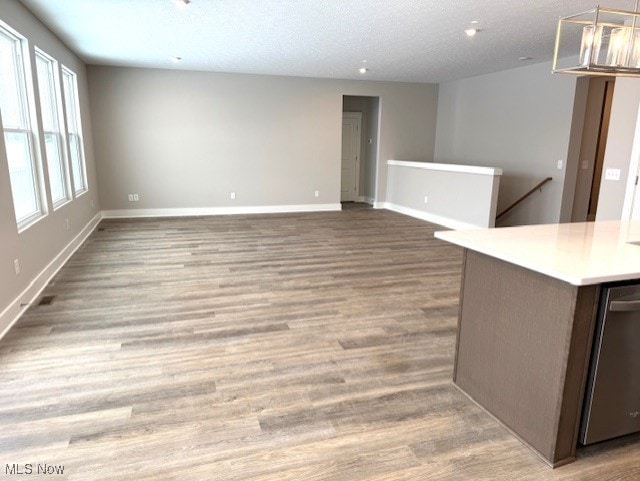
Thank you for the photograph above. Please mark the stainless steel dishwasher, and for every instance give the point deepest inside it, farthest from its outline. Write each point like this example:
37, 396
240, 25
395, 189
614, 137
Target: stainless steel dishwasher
612, 401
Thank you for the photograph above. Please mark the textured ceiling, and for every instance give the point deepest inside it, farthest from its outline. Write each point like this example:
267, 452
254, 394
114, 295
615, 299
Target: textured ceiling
401, 40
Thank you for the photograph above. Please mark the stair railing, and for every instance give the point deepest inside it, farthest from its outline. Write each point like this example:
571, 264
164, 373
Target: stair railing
537, 187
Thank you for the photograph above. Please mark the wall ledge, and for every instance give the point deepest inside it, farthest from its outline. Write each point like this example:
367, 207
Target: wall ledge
466, 169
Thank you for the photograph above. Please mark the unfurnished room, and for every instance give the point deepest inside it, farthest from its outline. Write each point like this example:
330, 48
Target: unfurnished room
319, 240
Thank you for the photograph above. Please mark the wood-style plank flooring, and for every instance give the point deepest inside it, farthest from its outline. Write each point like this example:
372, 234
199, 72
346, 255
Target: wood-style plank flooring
273, 347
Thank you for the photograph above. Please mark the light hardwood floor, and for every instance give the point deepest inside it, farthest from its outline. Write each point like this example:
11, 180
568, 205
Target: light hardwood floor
277, 347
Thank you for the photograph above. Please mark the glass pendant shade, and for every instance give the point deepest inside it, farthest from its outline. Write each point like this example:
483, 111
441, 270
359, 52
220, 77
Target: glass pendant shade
618, 47
601, 41
591, 43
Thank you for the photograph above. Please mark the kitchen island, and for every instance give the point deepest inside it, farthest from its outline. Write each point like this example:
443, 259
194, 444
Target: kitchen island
528, 308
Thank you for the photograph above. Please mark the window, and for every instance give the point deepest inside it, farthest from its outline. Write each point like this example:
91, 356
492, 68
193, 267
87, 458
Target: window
24, 172
49, 90
74, 130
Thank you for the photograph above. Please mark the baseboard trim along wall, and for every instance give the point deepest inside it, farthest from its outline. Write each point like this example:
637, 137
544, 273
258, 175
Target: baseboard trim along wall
12, 313
435, 219
204, 211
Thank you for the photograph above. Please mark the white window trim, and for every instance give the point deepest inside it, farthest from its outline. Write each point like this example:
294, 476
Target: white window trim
61, 133
79, 133
24, 71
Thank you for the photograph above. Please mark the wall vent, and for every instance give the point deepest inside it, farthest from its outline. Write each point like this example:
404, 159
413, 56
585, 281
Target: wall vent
46, 300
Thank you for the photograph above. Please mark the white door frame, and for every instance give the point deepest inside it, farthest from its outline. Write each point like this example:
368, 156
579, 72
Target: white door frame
358, 117
631, 191
376, 204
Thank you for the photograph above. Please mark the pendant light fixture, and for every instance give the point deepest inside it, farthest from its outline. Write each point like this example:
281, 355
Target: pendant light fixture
601, 41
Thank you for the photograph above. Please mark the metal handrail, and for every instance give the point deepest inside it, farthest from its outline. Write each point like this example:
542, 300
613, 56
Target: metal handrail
537, 187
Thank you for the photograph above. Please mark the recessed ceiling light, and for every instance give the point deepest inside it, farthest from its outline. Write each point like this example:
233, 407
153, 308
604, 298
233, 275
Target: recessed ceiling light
176, 59
363, 70
181, 3
524, 59
474, 22
471, 32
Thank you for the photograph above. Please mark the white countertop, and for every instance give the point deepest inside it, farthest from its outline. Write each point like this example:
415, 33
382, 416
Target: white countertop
580, 253
465, 169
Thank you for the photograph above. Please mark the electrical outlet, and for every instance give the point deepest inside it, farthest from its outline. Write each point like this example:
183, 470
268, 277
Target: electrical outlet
93, 203
426, 199
67, 223
233, 195
136, 197
560, 162
130, 197
16, 266
316, 193
612, 174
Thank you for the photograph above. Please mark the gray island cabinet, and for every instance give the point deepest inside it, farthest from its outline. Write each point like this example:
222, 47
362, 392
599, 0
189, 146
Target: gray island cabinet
528, 310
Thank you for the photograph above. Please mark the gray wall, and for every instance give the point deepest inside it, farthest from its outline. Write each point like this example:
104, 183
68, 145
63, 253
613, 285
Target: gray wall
37, 246
369, 106
455, 199
187, 139
519, 120
622, 125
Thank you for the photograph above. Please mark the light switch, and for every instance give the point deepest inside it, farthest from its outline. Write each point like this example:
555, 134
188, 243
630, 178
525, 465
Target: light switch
560, 162
612, 174
585, 164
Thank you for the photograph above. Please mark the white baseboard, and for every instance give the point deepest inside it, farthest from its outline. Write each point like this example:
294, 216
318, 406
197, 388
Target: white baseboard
433, 218
14, 311
203, 211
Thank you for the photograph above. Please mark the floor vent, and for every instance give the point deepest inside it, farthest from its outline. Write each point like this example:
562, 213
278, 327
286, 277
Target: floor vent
100, 229
46, 300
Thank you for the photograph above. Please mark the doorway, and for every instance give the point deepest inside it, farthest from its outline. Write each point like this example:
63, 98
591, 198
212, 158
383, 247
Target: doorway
592, 148
350, 179
359, 162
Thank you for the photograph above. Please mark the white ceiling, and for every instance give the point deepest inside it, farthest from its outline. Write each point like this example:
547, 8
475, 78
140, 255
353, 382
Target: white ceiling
402, 40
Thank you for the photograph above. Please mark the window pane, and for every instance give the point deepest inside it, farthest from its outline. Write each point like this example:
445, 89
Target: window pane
54, 161
23, 169
21, 173
49, 93
69, 102
45, 89
10, 94
74, 133
76, 162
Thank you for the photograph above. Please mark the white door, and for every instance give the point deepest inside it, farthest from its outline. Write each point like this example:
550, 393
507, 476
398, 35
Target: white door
635, 209
351, 127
